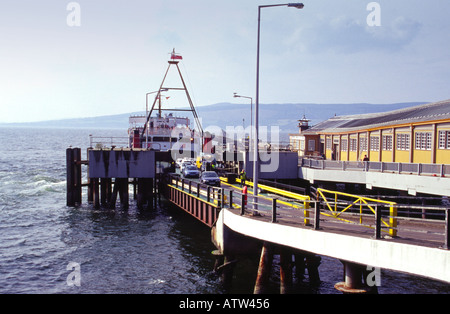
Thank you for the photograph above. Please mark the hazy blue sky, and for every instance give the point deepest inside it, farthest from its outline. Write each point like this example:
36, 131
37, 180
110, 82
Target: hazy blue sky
324, 53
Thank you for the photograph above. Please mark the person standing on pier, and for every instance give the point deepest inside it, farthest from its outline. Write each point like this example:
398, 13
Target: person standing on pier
366, 164
242, 177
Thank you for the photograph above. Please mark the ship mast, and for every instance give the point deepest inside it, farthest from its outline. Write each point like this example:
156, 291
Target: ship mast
174, 59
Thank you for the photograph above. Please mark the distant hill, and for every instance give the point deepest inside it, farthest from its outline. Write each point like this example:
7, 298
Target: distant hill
285, 116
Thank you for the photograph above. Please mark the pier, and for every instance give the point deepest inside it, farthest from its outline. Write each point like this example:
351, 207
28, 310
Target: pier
363, 232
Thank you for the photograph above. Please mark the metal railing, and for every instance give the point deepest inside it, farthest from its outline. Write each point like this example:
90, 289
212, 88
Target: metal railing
440, 170
108, 141
344, 202
210, 194
334, 211
380, 217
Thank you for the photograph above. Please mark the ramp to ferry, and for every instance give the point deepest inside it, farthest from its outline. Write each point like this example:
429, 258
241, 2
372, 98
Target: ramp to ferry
355, 234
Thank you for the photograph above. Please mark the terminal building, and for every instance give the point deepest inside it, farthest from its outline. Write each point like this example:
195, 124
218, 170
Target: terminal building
419, 134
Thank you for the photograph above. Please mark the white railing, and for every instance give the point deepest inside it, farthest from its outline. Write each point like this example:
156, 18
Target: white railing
108, 141
440, 170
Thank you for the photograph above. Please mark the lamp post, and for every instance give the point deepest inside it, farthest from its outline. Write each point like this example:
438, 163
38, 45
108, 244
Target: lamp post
256, 140
251, 114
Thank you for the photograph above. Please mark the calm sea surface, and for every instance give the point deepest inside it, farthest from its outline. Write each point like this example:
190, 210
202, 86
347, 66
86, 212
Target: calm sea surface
117, 251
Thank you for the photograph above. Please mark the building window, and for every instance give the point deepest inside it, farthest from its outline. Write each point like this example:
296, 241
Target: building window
402, 141
311, 145
374, 143
387, 142
353, 144
344, 144
423, 141
328, 142
363, 144
444, 139
448, 140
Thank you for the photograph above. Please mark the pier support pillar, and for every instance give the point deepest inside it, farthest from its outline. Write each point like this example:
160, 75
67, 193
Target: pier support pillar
265, 266
312, 264
95, 192
354, 281
105, 191
145, 194
285, 272
73, 176
300, 265
120, 188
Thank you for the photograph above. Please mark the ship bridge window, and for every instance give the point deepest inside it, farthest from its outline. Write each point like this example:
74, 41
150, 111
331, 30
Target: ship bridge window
161, 139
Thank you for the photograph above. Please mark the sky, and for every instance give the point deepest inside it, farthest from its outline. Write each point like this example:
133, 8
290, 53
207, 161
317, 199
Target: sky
69, 59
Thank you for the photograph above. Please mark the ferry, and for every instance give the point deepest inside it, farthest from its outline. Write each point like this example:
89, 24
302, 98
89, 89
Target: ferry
163, 133
167, 132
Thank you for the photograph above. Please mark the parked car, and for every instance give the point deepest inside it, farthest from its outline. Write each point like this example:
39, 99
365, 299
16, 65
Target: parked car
210, 177
191, 171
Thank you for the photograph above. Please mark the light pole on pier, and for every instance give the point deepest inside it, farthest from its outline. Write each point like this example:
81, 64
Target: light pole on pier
256, 139
251, 114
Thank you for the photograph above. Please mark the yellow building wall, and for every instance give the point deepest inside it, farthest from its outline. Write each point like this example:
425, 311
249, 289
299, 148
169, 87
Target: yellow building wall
443, 156
374, 156
386, 156
402, 156
344, 156
422, 156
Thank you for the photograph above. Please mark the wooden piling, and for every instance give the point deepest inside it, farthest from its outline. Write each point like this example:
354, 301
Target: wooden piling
285, 271
312, 264
145, 194
95, 192
123, 192
265, 266
73, 176
300, 265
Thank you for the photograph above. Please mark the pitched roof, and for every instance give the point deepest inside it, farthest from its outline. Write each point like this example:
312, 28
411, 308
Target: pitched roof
427, 112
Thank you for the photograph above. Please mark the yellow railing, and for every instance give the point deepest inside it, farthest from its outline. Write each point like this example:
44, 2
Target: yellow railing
353, 201
298, 197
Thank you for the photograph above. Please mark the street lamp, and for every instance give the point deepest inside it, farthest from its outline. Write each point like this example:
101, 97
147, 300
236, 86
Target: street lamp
256, 140
251, 114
